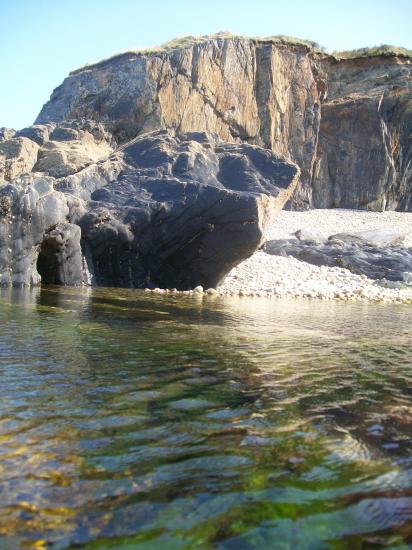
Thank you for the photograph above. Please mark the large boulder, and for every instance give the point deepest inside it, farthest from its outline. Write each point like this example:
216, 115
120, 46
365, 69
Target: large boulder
18, 155
73, 146
38, 133
164, 210
183, 211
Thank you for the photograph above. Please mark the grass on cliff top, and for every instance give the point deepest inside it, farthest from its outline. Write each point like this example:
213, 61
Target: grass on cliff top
189, 41
385, 50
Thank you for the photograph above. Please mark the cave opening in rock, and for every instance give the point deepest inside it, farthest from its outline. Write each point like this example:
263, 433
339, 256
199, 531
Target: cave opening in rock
48, 265
60, 259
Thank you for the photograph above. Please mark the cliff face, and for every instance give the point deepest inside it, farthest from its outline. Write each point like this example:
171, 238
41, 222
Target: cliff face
346, 122
364, 155
244, 90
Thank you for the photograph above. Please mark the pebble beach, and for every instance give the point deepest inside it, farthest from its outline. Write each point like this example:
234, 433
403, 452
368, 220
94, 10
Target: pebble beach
275, 276
266, 276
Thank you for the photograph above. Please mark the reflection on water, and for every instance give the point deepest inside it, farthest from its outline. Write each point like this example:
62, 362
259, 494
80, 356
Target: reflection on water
134, 421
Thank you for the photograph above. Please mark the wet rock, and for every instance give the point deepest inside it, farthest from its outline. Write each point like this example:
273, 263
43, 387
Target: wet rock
60, 259
29, 210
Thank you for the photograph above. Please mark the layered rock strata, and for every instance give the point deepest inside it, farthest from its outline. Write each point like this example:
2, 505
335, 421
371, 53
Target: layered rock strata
162, 168
347, 123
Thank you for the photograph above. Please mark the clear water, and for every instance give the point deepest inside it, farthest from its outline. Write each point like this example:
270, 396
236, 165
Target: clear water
130, 421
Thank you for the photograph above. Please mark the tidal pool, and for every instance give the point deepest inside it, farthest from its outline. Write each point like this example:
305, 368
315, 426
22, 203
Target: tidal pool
133, 421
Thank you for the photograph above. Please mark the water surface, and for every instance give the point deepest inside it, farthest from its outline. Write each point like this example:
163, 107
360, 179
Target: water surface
130, 421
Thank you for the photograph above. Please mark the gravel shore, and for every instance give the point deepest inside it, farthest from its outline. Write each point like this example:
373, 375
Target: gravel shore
327, 222
271, 276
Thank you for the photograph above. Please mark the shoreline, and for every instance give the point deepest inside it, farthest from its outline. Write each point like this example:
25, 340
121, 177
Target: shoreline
268, 276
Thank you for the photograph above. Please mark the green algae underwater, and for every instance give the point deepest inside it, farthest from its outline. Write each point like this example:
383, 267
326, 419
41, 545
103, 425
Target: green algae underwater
134, 421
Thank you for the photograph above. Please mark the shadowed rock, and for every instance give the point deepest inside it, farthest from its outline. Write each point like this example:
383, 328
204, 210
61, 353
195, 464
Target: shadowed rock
164, 210
29, 209
60, 259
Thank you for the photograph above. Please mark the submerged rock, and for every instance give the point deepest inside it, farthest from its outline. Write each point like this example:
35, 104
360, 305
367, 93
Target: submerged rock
163, 211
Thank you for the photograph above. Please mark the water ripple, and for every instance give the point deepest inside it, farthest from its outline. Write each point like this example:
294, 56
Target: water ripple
137, 421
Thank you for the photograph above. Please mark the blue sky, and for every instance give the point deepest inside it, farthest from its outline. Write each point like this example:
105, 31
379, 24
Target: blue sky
42, 40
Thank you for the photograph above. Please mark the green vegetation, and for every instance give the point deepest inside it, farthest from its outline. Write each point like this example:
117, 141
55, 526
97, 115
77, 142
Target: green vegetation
385, 50
189, 41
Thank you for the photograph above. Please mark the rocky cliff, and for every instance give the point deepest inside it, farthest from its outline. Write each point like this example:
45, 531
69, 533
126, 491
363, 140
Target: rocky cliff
163, 168
347, 123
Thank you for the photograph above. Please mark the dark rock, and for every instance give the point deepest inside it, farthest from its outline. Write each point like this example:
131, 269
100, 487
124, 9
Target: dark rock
176, 217
393, 263
29, 209
60, 259
163, 211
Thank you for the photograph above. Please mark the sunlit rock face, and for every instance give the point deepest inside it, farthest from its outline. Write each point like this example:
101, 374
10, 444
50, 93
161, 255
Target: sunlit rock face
249, 91
55, 150
346, 122
364, 154
162, 168
164, 210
